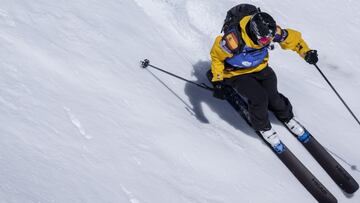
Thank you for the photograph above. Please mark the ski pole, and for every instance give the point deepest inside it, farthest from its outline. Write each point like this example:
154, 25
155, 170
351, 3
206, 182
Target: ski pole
146, 63
342, 100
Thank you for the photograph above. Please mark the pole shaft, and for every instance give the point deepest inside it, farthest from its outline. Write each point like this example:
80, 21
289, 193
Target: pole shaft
342, 100
181, 78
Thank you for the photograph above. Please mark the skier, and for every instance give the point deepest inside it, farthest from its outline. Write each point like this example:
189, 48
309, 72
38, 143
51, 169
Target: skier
239, 58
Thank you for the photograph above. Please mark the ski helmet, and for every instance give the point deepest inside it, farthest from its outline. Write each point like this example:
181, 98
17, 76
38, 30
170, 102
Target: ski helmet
263, 26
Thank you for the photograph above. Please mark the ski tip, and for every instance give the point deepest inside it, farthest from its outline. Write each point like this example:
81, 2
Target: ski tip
352, 187
145, 63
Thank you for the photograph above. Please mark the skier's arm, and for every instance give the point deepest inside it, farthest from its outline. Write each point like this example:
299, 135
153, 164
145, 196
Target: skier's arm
218, 56
291, 39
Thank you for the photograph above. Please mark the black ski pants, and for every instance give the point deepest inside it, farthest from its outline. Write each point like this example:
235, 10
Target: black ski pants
260, 90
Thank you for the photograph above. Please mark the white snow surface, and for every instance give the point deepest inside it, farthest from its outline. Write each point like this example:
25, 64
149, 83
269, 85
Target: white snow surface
80, 121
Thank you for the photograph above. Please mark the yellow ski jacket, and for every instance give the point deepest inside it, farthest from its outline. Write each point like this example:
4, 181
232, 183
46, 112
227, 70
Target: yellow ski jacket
218, 54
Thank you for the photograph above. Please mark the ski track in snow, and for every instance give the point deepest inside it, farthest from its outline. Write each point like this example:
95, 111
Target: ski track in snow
76, 122
5, 19
132, 198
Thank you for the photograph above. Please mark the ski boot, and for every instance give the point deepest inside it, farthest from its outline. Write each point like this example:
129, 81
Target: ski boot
298, 130
272, 138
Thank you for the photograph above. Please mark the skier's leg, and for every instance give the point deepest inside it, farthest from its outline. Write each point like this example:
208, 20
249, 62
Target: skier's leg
248, 87
278, 103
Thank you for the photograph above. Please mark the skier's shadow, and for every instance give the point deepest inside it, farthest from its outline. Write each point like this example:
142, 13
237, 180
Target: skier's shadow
199, 97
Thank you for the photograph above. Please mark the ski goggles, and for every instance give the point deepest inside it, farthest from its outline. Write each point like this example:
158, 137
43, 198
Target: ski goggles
265, 40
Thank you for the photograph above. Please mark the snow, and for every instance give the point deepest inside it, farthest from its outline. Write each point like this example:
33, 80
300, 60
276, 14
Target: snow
81, 122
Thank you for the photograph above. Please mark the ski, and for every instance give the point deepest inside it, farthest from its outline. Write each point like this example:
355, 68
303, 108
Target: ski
297, 168
340, 176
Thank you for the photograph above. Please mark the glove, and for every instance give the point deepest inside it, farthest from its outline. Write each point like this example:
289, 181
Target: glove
219, 90
311, 57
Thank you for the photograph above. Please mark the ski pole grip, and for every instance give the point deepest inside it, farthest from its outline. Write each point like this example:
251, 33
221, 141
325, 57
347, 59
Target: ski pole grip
145, 63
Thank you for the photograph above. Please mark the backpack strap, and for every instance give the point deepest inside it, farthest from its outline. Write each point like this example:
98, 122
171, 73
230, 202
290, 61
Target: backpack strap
231, 27
233, 41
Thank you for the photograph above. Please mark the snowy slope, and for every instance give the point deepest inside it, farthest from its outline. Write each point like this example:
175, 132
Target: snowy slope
81, 122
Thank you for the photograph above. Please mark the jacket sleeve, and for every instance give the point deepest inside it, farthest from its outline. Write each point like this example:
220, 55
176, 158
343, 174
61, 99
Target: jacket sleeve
218, 56
295, 42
